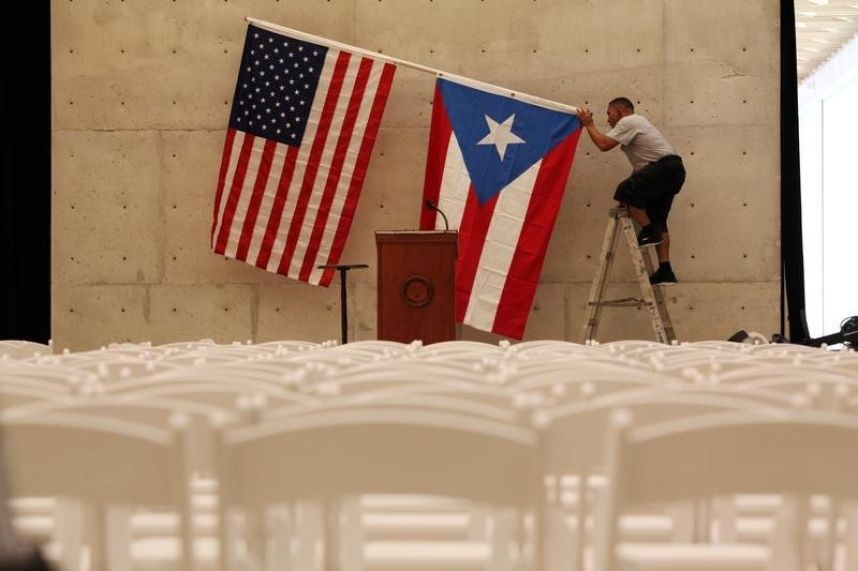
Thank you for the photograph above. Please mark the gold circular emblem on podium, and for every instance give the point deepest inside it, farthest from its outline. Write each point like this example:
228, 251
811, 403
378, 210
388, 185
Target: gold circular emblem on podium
417, 291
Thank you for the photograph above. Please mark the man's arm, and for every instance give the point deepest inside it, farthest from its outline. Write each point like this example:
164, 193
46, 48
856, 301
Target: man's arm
601, 140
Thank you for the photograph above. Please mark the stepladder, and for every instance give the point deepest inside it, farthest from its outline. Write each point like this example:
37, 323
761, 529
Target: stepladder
651, 298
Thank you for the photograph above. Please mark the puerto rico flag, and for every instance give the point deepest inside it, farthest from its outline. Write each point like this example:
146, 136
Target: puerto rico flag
497, 166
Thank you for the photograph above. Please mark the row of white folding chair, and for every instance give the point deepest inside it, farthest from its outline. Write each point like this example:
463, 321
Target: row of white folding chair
110, 364
15, 350
372, 418
360, 443
130, 404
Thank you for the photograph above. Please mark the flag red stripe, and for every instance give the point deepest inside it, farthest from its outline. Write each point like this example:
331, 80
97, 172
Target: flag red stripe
247, 229
277, 207
221, 181
436, 158
523, 276
472, 237
346, 132
369, 136
234, 193
313, 161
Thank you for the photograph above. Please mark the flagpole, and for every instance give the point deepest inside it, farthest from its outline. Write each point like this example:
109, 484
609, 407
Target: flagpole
547, 103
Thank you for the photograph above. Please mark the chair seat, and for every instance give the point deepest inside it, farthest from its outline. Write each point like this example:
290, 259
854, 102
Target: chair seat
696, 556
434, 555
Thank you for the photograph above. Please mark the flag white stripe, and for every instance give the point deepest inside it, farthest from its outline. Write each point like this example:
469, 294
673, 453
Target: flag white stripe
324, 167
244, 197
302, 158
455, 184
237, 143
348, 171
498, 251
267, 203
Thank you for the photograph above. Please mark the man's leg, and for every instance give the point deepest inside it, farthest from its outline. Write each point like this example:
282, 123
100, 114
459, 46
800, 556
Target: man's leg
633, 192
658, 211
639, 215
663, 249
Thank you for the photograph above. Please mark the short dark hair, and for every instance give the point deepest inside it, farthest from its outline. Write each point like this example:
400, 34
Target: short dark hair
624, 102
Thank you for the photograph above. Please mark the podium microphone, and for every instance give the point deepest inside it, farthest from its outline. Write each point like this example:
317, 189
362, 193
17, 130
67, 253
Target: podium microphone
432, 206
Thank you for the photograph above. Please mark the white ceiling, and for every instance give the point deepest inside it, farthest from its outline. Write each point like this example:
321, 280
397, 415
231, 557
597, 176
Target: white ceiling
822, 27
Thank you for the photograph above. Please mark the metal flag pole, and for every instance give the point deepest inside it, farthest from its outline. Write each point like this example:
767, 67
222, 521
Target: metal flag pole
547, 103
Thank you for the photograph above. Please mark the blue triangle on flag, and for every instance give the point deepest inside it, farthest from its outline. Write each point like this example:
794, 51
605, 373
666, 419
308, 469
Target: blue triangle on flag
487, 124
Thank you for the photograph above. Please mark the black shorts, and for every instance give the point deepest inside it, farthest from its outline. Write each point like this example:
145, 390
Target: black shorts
653, 187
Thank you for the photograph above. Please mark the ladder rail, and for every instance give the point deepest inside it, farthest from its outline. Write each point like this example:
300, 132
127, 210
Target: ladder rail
642, 276
660, 303
600, 280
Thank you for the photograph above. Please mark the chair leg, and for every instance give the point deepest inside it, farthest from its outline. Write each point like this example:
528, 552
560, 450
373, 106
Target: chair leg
94, 516
309, 525
255, 537
68, 533
502, 537
332, 535
351, 534
787, 545
119, 539
850, 514
279, 522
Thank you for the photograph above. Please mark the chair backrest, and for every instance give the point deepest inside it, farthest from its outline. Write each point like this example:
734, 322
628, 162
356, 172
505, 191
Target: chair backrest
377, 450
575, 438
106, 461
805, 452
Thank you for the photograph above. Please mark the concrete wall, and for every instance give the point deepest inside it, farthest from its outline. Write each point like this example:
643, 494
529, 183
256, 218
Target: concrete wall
141, 97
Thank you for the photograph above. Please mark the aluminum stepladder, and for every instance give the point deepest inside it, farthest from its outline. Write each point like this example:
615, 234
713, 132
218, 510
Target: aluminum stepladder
651, 298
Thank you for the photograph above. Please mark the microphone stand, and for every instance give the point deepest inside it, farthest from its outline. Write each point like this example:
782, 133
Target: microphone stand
432, 206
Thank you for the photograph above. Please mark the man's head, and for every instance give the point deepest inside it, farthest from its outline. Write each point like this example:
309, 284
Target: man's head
618, 108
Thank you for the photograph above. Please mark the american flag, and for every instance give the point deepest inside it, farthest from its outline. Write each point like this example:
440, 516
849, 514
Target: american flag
303, 123
497, 166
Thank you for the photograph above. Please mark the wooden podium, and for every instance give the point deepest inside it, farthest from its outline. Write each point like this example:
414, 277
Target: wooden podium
416, 298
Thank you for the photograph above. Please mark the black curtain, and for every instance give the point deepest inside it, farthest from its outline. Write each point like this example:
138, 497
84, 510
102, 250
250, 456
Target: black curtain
25, 170
792, 256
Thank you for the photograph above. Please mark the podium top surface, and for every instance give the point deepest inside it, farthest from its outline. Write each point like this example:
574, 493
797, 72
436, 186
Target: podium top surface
416, 235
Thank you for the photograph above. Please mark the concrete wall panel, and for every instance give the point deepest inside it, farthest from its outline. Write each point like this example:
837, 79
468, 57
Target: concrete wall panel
225, 313
88, 317
725, 223
720, 68
363, 304
106, 208
290, 307
190, 164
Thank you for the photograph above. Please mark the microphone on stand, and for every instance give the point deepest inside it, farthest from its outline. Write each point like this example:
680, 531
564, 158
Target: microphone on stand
432, 206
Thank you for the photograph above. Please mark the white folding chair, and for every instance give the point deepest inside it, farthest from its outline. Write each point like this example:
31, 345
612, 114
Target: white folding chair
793, 453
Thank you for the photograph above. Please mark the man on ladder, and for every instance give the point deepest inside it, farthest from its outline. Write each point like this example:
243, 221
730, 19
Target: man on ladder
658, 174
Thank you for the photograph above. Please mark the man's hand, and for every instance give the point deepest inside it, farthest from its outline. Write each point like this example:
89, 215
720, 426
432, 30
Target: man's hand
602, 141
585, 115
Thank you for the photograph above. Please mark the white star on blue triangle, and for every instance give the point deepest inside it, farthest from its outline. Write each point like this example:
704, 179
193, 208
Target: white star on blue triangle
494, 159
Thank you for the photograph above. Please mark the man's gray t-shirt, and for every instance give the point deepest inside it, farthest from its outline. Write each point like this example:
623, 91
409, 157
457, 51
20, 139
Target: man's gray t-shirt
640, 141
